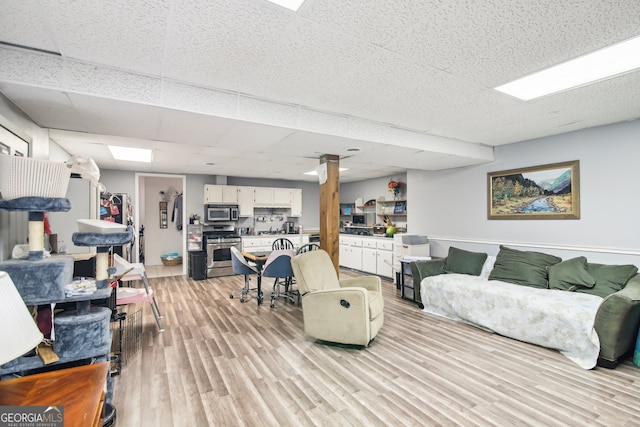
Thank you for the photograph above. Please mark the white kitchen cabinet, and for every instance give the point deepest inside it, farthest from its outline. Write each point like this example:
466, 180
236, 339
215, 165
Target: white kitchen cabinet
296, 202
384, 258
344, 251
367, 254
282, 197
220, 194
352, 252
344, 255
263, 196
257, 243
245, 201
369, 260
248, 198
276, 197
264, 243
355, 257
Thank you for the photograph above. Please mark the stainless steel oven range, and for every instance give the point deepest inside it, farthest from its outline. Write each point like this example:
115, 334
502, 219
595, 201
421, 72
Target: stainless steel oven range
219, 239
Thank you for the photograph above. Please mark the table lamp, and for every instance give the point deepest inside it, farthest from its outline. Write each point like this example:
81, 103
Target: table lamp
18, 331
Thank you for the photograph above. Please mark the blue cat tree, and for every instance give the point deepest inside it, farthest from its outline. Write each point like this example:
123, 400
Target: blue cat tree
82, 334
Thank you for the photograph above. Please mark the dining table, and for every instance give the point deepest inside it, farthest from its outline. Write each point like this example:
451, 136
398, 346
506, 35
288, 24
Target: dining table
259, 259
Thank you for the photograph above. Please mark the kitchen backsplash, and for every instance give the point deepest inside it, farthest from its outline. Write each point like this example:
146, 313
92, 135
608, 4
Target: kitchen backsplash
266, 220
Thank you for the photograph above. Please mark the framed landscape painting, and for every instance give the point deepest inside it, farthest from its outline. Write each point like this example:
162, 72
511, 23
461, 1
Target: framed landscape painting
539, 192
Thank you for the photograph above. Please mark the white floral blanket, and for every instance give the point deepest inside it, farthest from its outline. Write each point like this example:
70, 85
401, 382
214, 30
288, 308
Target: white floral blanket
555, 319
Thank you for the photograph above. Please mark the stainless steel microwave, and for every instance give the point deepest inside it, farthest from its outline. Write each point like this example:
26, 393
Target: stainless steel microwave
214, 213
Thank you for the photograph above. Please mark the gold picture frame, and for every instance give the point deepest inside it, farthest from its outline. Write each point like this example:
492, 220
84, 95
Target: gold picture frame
540, 192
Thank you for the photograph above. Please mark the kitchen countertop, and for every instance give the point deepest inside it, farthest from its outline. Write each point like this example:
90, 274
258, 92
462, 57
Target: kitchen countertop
272, 235
375, 236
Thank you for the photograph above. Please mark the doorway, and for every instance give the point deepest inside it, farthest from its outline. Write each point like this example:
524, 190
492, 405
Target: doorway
161, 233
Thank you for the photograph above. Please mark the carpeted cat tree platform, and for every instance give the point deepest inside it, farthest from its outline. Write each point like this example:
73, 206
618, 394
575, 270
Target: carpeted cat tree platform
81, 334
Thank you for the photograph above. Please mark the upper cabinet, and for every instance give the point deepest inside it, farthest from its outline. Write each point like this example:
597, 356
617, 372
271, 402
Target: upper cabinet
220, 194
296, 202
282, 196
248, 198
272, 197
245, 201
263, 196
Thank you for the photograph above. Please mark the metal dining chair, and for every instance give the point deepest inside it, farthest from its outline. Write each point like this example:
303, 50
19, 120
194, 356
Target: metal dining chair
241, 266
282, 243
278, 266
308, 248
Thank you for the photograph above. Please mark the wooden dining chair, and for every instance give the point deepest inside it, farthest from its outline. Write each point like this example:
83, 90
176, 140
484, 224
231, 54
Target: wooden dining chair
282, 243
307, 248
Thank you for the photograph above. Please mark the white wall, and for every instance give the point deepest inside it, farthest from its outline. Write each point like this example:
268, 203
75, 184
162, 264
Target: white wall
159, 241
451, 206
372, 189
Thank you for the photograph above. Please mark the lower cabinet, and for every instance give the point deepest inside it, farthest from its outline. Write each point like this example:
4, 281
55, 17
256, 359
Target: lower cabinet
264, 243
384, 259
355, 257
369, 260
369, 254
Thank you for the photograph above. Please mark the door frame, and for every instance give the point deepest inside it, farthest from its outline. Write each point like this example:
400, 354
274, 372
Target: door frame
183, 178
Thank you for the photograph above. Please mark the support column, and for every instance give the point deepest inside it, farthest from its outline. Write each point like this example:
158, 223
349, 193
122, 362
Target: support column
330, 207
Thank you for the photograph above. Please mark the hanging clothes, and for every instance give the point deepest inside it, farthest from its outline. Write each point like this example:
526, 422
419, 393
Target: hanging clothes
176, 215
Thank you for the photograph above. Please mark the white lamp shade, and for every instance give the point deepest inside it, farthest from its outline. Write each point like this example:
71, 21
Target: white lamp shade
18, 331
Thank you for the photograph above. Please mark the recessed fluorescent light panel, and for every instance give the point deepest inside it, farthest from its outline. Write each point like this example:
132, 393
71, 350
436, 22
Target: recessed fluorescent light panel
130, 154
600, 65
314, 172
289, 4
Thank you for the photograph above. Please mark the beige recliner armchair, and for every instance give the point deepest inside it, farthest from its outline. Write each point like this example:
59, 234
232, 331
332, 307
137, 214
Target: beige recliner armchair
348, 311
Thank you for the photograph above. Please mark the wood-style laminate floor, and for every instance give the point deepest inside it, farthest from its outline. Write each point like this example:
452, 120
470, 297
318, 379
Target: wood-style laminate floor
224, 363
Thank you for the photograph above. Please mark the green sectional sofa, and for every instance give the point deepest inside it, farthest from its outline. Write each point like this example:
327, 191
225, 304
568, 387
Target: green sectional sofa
612, 293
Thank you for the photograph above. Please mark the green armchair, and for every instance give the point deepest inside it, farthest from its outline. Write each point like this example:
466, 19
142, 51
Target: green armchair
348, 311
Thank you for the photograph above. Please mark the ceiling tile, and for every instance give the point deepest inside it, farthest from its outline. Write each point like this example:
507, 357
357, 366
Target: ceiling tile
119, 33
15, 15
203, 46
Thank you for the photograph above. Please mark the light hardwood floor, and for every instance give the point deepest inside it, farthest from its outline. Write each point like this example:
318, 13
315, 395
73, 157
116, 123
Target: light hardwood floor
224, 363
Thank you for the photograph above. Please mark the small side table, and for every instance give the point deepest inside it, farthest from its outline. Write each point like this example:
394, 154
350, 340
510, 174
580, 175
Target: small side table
407, 288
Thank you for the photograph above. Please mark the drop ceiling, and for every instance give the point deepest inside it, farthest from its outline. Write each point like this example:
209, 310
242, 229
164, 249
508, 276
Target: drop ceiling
248, 88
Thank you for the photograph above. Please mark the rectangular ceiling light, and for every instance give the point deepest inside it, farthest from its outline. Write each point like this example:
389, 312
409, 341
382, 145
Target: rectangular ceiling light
315, 172
130, 154
602, 64
289, 4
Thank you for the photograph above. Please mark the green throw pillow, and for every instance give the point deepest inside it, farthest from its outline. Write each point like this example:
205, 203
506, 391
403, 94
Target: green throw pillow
609, 278
522, 267
464, 262
570, 275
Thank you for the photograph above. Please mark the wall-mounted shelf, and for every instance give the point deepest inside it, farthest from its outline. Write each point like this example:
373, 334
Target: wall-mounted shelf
347, 209
391, 208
